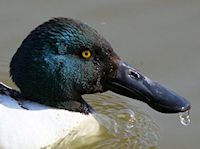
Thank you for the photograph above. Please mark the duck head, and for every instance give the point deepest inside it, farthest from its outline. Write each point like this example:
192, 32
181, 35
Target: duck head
63, 59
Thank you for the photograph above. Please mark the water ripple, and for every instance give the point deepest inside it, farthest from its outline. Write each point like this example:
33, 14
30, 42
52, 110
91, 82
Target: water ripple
126, 126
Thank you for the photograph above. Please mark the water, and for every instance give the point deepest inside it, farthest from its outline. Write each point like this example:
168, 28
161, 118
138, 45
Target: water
158, 37
185, 118
123, 126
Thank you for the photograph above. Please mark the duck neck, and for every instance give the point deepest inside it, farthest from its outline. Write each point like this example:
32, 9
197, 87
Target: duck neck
75, 104
79, 105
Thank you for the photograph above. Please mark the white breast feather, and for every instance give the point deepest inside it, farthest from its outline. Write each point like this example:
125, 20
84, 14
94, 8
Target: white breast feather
40, 126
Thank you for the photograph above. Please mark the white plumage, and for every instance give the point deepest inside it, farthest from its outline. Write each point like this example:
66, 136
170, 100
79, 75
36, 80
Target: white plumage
40, 125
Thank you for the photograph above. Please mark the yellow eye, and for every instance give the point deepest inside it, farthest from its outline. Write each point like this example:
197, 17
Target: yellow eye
86, 54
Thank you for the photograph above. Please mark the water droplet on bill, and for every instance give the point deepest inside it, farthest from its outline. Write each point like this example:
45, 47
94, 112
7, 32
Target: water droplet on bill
185, 118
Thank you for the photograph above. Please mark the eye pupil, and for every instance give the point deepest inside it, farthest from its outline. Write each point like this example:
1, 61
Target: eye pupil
86, 54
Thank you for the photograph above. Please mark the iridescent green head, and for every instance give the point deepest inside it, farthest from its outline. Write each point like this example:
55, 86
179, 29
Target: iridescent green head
51, 66
63, 59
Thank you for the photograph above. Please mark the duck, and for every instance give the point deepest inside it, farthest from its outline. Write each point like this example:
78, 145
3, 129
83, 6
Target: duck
58, 62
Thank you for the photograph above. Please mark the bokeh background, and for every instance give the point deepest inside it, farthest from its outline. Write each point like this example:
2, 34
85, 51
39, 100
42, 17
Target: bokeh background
161, 38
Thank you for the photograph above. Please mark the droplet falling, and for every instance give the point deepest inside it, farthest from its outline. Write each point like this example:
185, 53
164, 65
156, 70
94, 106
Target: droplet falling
185, 118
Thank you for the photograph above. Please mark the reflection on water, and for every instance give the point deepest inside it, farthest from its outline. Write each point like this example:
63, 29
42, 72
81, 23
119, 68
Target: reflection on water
123, 126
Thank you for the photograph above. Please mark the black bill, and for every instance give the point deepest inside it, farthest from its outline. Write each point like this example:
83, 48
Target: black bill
131, 83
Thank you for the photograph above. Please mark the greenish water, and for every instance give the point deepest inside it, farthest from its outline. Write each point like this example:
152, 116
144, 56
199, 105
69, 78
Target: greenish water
158, 37
123, 126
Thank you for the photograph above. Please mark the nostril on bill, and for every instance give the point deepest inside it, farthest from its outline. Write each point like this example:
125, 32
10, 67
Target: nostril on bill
134, 74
